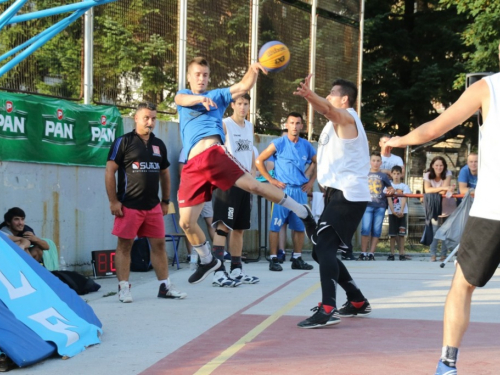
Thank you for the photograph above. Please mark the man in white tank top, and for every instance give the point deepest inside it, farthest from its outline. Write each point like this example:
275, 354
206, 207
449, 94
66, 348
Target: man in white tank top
479, 252
232, 207
343, 165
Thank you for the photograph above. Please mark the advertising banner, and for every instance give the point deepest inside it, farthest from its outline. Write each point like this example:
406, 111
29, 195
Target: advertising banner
53, 131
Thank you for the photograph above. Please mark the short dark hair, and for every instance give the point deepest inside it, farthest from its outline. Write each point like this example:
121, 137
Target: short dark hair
13, 212
147, 105
244, 96
347, 88
200, 61
294, 114
385, 135
397, 168
375, 153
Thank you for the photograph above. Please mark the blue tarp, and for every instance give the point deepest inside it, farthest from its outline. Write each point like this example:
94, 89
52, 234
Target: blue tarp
40, 315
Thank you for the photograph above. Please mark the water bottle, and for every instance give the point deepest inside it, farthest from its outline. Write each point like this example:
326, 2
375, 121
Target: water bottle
62, 264
193, 262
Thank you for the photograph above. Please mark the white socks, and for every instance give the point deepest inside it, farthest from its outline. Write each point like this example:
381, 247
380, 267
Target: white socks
294, 206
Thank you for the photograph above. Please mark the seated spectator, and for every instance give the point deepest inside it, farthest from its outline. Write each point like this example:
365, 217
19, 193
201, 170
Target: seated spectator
437, 179
467, 178
23, 235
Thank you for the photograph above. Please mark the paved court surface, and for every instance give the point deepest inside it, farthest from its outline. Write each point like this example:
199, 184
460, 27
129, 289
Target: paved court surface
252, 329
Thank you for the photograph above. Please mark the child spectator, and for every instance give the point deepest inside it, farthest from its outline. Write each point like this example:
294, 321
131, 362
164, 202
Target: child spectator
371, 224
398, 211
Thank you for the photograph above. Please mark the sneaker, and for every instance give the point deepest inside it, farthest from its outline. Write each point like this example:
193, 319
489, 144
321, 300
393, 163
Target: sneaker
281, 256
348, 256
309, 222
124, 294
391, 257
222, 280
299, 264
362, 257
204, 270
227, 257
238, 275
443, 369
403, 257
274, 265
320, 318
370, 257
170, 293
348, 310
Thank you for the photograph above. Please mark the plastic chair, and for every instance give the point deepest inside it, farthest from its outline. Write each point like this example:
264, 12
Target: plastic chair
176, 236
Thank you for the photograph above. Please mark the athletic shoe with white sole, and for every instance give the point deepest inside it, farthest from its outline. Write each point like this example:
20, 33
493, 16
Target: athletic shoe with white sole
124, 294
238, 275
222, 280
319, 319
354, 309
204, 270
171, 292
443, 369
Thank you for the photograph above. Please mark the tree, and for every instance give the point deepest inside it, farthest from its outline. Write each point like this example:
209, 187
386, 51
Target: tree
412, 56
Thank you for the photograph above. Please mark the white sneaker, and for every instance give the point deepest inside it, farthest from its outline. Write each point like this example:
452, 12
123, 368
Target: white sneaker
124, 294
221, 279
238, 275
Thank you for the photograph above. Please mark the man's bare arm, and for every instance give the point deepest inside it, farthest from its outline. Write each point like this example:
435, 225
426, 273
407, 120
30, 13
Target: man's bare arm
248, 81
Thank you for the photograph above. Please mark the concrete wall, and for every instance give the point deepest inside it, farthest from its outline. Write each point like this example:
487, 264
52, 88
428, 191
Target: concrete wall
69, 204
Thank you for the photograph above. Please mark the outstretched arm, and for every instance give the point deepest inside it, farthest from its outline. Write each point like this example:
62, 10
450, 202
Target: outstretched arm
247, 82
475, 97
188, 100
322, 106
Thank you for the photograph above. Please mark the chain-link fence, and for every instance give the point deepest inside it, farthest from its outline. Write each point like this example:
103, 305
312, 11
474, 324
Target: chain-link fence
136, 45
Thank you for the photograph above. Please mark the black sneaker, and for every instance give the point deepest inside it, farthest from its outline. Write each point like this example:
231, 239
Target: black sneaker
403, 257
320, 318
170, 293
274, 265
204, 270
348, 256
281, 256
370, 257
309, 222
362, 257
391, 257
299, 264
348, 310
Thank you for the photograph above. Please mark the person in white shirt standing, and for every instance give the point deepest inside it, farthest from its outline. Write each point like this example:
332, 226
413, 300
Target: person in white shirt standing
232, 207
389, 160
343, 165
479, 252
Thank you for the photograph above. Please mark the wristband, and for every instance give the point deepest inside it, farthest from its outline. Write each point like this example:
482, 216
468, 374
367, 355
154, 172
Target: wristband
166, 201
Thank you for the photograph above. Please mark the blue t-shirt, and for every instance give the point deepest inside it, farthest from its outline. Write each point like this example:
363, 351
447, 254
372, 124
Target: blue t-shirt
291, 159
197, 123
467, 177
378, 181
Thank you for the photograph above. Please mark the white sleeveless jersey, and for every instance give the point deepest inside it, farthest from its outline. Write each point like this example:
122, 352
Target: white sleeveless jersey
344, 163
239, 141
488, 174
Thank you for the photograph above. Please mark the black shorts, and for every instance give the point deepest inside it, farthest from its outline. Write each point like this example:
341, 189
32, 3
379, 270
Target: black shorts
397, 225
343, 215
232, 207
479, 251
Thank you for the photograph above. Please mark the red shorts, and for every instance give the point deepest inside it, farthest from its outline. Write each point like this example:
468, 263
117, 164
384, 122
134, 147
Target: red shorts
140, 223
213, 168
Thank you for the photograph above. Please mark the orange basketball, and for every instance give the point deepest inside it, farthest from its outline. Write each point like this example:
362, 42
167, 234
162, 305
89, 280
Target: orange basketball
274, 56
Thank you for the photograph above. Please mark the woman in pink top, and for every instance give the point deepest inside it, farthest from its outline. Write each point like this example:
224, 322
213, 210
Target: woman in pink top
437, 179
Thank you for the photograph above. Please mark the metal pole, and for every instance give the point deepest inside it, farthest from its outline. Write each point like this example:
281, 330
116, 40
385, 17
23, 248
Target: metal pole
181, 54
360, 54
10, 12
254, 44
407, 164
88, 74
312, 66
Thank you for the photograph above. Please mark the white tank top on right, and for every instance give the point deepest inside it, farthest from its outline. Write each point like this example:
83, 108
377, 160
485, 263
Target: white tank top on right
344, 164
488, 175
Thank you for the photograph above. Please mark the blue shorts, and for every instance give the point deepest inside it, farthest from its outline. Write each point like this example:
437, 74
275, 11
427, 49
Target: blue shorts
371, 224
281, 215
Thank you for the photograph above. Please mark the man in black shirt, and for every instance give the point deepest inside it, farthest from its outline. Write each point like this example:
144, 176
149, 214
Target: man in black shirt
141, 161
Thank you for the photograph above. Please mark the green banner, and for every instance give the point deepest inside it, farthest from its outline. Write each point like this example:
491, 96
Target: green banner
54, 131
